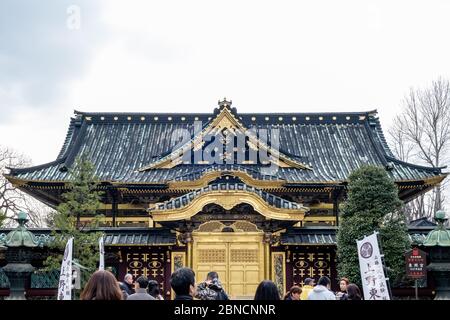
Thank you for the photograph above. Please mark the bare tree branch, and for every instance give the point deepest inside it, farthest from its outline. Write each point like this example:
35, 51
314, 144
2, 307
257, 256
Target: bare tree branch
12, 200
421, 133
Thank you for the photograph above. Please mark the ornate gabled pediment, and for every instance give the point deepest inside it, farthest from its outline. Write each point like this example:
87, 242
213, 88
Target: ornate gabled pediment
225, 140
228, 196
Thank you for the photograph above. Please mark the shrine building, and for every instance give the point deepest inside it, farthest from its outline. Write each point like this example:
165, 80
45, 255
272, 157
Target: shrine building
252, 196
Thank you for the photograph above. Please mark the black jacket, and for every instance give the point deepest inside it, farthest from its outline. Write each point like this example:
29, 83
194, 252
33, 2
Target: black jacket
127, 288
183, 297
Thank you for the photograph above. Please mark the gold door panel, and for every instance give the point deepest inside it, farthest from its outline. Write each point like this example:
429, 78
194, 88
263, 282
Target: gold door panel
237, 258
211, 257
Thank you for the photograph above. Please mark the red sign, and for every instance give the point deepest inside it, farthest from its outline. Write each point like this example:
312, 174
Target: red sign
416, 264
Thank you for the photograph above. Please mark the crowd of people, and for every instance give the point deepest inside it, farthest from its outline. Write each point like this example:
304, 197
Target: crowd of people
103, 286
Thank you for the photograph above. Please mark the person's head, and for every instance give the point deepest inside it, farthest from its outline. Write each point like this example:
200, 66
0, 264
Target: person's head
353, 292
153, 288
294, 293
102, 286
142, 282
343, 283
182, 282
267, 290
212, 275
309, 282
324, 281
128, 278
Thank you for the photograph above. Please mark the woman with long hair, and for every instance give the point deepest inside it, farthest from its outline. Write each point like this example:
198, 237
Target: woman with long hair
102, 286
353, 292
267, 290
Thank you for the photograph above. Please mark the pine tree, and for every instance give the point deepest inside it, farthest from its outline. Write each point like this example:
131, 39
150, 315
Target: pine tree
82, 199
395, 240
372, 205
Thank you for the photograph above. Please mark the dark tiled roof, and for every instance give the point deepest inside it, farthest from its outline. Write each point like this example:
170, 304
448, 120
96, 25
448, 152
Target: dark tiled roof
119, 144
143, 237
327, 235
269, 198
309, 235
421, 222
253, 172
117, 236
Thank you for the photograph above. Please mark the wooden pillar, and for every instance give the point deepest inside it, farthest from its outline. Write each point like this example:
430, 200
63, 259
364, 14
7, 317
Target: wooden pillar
115, 210
267, 260
336, 194
336, 209
189, 257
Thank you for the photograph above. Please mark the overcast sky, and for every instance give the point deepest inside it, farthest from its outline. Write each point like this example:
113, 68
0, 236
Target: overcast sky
182, 56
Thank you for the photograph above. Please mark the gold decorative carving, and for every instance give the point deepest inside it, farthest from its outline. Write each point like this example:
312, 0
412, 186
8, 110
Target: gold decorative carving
211, 226
211, 256
244, 255
244, 226
279, 271
227, 199
209, 176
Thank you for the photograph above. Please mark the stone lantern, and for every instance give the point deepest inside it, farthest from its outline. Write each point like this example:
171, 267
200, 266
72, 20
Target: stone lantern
438, 244
19, 244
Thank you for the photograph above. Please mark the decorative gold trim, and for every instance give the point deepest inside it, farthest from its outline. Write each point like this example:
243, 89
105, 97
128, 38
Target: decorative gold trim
274, 277
172, 259
123, 206
173, 254
322, 205
227, 199
147, 220
319, 218
267, 263
140, 245
224, 120
271, 185
209, 176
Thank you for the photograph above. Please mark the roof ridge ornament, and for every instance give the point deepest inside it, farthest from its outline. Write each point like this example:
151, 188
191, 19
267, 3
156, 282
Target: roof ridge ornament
225, 103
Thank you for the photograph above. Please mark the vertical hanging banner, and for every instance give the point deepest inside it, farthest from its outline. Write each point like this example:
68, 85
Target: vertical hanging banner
101, 250
65, 277
371, 267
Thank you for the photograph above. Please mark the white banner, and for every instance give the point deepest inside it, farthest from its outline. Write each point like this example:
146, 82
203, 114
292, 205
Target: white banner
101, 249
65, 277
372, 273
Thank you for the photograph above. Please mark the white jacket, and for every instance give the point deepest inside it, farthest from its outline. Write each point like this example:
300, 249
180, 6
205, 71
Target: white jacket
321, 293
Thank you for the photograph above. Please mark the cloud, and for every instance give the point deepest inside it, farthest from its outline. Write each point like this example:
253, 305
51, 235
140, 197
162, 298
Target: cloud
39, 51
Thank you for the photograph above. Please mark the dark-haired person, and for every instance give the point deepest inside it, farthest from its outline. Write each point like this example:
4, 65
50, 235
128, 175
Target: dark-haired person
182, 282
342, 294
153, 290
267, 290
307, 288
141, 290
102, 286
322, 290
293, 294
211, 288
353, 292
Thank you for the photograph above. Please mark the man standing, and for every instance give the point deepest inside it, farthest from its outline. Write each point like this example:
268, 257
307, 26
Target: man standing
322, 290
211, 289
306, 289
182, 282
127, 284
141, 290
